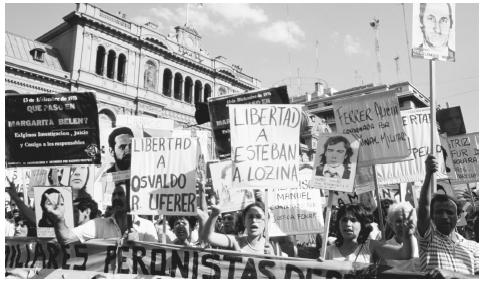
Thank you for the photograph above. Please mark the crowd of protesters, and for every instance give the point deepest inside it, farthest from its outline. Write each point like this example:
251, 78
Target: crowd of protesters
422, 240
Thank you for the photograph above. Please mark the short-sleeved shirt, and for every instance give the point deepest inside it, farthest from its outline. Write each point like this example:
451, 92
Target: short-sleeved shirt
361, 254
437, 250
107, 228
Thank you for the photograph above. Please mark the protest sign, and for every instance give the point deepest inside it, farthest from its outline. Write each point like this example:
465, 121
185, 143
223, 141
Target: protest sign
417, 124
265, 145
451, 121
335, 162
231, 199
375, 120
434, 31
448, 160
52, 197
81, 180
220, 119
51, 129
143, 126
163, 173
464, 153
295, 211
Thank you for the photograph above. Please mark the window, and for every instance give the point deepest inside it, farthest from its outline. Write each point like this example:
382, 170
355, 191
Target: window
121, 67
188, 90
100, 57
198, 91
167, 84
111, 61
178, 83
207, 92
37, 54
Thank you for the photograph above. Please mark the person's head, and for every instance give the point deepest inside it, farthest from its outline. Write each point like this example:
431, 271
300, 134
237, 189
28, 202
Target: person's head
120, 147
395, 216
79, 176
337, 151
230, 223
51, 198
254, 218
21, 227
444, 211
182, 226
85, 209
353, 224
436, 22
452, 123
118, 200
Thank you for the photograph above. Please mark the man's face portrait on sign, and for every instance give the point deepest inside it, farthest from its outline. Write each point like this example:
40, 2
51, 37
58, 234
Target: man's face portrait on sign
335, 161
436, 23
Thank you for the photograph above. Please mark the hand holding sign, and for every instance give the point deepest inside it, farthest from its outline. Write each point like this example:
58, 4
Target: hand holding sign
55, 208
431, 164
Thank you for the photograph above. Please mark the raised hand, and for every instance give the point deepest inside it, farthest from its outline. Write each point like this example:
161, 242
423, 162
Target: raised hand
408, 223
431, 164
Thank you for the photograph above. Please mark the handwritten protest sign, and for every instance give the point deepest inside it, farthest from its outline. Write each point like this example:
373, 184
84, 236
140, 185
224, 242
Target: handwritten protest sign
231, 199
295, 211
220, 118
51, 129
417, 124
163, 172
335, 162
375, 120
464, 152
52, 197
265, 145
448, 160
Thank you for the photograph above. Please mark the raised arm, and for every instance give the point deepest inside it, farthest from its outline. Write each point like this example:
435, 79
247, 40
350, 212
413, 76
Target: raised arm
62, 232
217, 239
424, 218
25, 211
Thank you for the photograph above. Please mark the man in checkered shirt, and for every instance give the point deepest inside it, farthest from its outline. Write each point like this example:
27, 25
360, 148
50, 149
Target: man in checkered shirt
442, 251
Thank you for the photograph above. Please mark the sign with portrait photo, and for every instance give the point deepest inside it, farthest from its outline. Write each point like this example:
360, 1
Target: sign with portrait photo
52, 198
451, 121
335, 162
434, 31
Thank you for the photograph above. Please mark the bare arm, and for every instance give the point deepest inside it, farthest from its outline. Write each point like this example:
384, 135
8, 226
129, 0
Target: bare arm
424, 218
217, 239
64, 234
26, 211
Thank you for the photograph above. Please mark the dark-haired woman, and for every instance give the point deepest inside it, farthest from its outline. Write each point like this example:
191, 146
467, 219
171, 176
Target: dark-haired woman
352, 243
254, 221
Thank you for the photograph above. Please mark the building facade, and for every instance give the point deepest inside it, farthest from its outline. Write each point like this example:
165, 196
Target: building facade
133, 69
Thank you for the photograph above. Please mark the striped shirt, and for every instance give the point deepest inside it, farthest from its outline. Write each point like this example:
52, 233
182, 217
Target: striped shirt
437, 250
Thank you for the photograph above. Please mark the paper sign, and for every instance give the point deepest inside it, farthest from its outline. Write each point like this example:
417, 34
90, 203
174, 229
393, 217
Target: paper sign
143, 126
265, 145
52, 197
163, 173
464, 152
375, 120
335, 162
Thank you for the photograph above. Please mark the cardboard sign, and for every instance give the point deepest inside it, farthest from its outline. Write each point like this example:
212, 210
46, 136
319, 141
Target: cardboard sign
52, 197
375, 120
417, 123
434, 31
163, 173
451, 121
51, 129
265, 145
230, 199
220, 119
464, 152
335, 162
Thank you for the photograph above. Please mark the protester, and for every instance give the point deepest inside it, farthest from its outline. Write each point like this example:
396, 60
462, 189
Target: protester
395, 220
79, 177
442, 251
232, 223
120, 148
254, 221
16, 200
352, 243
21, 227
85, 209
183, 227
115, 226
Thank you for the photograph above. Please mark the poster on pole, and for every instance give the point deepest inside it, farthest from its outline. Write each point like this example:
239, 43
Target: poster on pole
464, 151
451, 121
434, 31
51, 129
417, 123
220, 118
163, 175
335, 162
265, 145
375, 120
52, 198
230, 199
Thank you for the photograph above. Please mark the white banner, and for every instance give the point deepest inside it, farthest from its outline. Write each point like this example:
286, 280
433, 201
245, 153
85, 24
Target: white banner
375, 120
265, 145
417, 123
163, 173
335, 162
464, 152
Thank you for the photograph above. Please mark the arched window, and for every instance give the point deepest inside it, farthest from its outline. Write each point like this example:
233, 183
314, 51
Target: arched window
198, 91
178, 84
121, 67
111, 61
150, 75
167, 82
188, 90
207, 92
100, 57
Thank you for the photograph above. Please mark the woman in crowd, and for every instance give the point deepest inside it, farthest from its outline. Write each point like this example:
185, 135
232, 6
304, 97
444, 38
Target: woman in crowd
79, 177
254, 221
352, 242
183, 227
395, 218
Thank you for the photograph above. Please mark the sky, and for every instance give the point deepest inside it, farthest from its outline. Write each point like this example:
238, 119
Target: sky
294, 44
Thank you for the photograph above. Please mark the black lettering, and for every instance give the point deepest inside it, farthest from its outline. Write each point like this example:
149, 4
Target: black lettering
110, 256
318, 272
263, 264
176, 263
249, 272
138, 259
292, 268
121, 259
211, 265
19, 254
333, 274
231, 268
27, 250
65, 256
7, 254
154, 253
195, 265
53, 251
39, 252
79, 253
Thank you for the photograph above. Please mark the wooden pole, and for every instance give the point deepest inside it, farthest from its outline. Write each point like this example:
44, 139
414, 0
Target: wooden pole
379, 208
163, 237
471, 195
432, 93
328, 215
267, 223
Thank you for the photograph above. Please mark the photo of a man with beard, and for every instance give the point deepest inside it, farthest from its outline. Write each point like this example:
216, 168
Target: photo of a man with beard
120, 148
